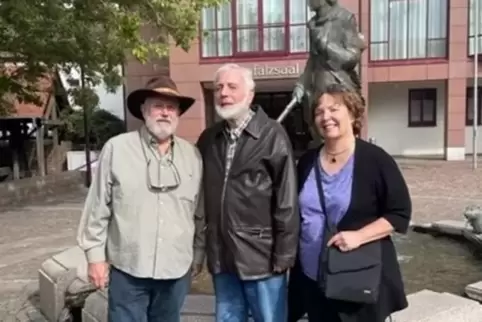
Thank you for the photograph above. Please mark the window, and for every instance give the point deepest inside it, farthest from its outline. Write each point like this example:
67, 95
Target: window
273, 103
469, 105
408, 29
255, 28
472, 28
422, 107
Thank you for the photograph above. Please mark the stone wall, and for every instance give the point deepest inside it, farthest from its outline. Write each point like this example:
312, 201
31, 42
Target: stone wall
18, 191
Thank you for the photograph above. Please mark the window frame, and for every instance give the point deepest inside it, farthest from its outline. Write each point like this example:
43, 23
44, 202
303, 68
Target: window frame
425, 92
470, 94
472, 37
388, 61
260, 54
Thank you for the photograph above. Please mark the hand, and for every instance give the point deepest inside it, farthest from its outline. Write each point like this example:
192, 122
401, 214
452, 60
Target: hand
98, 274
346, 240
298, 94
196, 269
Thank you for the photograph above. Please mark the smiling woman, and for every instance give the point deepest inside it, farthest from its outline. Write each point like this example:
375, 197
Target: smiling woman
337, 112
352, 196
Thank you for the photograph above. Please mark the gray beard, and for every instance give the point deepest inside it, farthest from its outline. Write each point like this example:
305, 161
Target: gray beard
160, 132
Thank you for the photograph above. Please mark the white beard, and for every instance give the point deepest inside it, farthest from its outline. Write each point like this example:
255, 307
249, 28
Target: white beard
232, 112
161, 130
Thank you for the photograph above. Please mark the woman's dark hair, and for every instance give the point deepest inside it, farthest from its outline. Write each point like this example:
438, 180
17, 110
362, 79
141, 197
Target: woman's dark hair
353, 100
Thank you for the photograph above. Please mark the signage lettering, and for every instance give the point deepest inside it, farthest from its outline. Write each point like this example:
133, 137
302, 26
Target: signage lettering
262, 71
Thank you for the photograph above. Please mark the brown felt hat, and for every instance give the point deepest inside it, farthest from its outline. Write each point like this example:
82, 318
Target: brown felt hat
158, 86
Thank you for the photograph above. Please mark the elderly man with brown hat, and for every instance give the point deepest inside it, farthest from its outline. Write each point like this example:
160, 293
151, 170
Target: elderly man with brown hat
140, 228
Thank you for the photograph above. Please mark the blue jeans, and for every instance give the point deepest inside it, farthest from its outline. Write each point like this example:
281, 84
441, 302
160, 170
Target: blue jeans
133, 299
265, 299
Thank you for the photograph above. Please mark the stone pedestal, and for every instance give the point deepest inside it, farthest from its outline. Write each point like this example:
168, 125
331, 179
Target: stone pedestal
62, 274
62, 281
95, 307
474, 291
473, 214
451, 227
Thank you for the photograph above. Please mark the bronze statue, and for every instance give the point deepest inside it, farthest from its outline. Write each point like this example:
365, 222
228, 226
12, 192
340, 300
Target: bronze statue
473, 215
335, 52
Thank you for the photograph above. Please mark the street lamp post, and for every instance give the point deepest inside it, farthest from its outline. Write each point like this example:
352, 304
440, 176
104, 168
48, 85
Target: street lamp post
476, 79
88, 176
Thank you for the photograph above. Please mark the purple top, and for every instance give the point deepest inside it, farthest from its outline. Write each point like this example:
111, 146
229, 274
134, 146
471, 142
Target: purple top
337, 193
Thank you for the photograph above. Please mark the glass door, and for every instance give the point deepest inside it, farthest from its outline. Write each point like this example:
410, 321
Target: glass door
296, 127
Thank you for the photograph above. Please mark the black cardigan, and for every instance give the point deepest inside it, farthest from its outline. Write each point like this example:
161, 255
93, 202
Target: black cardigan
378, 190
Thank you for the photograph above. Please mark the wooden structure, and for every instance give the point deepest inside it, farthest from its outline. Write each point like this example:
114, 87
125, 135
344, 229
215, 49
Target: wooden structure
30, 129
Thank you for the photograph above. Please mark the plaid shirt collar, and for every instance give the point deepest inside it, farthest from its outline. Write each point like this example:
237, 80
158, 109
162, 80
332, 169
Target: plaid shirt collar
235, 133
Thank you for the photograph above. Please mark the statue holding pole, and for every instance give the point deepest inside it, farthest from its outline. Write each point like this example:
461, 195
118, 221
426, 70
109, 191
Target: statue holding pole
334, 55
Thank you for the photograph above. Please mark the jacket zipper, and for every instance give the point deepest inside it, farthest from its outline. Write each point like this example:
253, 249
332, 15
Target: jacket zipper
221, 227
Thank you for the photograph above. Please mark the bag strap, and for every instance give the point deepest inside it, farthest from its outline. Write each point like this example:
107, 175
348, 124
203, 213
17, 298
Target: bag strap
330, 226
329, 229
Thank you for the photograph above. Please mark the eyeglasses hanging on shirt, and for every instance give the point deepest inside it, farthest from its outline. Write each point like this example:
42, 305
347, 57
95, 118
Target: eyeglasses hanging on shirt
161, 175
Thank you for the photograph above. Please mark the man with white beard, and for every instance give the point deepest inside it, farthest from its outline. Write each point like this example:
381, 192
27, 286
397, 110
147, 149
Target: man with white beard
250, 197
139, 223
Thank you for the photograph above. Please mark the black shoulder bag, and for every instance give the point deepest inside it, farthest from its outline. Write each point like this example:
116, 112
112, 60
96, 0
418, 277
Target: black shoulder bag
352, 276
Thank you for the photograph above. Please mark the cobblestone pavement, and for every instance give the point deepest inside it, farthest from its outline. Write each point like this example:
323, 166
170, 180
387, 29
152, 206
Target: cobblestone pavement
28, 236
31, 234
441, 190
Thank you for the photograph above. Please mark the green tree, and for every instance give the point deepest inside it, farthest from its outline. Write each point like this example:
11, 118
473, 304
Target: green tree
44, 36
103, 126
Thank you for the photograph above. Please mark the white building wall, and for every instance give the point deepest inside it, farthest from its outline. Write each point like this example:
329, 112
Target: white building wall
388, 120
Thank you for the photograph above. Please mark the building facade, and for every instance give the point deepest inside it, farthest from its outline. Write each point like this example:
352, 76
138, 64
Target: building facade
417, 73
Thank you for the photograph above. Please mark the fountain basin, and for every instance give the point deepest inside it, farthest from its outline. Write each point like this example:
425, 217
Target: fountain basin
433, 262
432, 265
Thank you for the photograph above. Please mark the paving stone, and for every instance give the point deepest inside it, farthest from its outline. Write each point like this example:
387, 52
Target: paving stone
199, 304
188, 318
429, 306
197, 308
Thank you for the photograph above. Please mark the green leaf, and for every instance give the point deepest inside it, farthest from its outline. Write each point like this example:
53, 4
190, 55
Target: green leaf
44, 36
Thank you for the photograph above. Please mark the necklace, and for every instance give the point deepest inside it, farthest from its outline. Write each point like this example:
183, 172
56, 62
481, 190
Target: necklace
333, 156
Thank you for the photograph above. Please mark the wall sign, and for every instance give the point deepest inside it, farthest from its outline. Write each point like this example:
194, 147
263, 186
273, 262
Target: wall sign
267, 71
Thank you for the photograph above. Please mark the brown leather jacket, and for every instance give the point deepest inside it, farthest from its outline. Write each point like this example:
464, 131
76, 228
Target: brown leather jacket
252, 219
